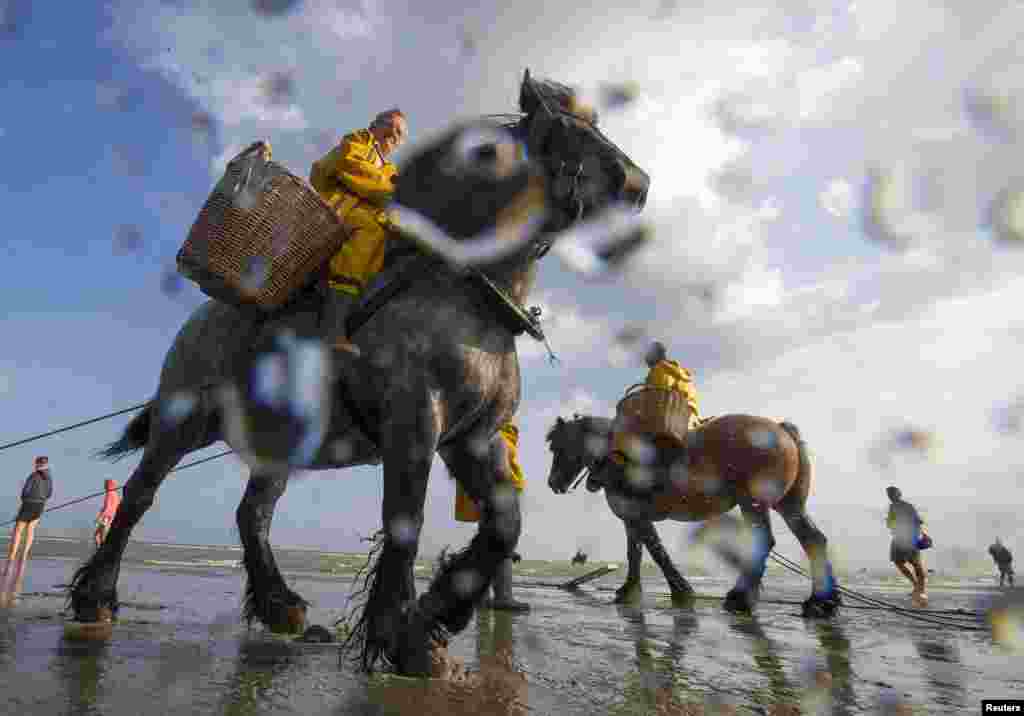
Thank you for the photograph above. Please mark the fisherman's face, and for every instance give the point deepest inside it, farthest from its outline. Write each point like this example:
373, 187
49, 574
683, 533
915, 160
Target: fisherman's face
391, 136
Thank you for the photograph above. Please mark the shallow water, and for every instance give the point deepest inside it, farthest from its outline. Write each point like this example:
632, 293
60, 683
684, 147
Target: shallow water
180, 648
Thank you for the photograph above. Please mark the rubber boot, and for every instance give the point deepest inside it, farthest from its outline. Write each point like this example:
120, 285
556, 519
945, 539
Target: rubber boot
503, 590
337, 307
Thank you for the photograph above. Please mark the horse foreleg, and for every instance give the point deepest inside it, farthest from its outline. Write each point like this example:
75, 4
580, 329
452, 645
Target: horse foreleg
632, 588
682, 592
267, 597
390, 626
744, 595
464, 579
93, 591
825, 599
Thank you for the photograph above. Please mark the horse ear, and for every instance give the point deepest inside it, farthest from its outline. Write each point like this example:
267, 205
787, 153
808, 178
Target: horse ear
560, 421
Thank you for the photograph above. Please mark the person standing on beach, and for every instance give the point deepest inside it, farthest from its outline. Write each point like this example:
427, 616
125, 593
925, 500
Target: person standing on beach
1003, 559
905, 524
466, 510
37, 490
111, 501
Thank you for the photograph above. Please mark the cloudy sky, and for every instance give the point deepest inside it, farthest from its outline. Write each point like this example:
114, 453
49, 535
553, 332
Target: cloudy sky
837, 207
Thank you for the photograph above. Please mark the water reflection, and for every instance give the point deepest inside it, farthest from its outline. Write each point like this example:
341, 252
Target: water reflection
840, 697
496, 688
82, 667
940, 658
261, 666
767, 661
661, 682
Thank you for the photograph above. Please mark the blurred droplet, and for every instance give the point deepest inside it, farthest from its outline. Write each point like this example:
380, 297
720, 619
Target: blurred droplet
403, 531
640, 450
467, 43
14, 15
596, 446
178, 407
992, 113
127, 238
892, 703
731, 540
466, 581
595, 247
273, 8
504, 497
763, 439
837, 198
1006, 216
1009, 419
341, 450
490, 247
171, 282
254, 274
479, 447
203, 125
1006, 617
278, 415
278, 88
892, 208
630, 335
484, 152
619, 95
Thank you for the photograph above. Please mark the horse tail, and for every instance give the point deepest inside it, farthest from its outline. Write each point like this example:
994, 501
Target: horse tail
134, 437
802, 487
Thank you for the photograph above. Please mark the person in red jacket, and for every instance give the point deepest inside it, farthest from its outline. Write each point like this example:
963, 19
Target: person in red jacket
111, 501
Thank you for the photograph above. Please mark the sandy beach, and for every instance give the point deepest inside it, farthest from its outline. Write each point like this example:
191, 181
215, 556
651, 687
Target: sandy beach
179, 648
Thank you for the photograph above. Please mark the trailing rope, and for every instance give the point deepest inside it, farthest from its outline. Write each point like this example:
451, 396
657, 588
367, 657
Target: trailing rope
98, 494
880, 604
40, 436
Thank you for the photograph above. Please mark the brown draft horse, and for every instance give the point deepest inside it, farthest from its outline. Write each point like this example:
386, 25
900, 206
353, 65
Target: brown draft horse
731, 460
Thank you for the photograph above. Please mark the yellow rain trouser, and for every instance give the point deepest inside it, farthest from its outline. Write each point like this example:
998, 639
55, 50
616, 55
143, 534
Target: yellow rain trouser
465, 507
358, 260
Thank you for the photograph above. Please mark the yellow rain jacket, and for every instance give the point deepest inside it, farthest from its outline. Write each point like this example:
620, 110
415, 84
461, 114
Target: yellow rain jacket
669, 375
357, 181
465, 508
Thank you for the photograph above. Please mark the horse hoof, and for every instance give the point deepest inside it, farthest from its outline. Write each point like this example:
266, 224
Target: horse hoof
817, 608
683, 598
738, 602
627, 595
293, 621
316, 634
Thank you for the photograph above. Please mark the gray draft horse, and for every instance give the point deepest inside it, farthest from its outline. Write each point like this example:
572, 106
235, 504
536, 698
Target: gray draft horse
754, 462
436, 372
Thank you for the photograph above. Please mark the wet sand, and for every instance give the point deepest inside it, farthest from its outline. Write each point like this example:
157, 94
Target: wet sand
180, 649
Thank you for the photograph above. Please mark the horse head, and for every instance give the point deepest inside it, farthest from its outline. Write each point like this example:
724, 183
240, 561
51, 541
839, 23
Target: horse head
587, 171
576, 445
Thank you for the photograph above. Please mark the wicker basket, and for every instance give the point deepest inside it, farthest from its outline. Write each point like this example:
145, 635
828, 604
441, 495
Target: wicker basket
261, 236
655, 413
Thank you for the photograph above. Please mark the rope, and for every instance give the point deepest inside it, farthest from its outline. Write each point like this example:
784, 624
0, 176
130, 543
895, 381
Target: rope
880, 604
98, 494
40, 436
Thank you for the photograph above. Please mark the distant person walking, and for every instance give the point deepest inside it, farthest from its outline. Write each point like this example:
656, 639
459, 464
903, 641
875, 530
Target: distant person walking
905, 524
1003, 559
37, 490
111, 501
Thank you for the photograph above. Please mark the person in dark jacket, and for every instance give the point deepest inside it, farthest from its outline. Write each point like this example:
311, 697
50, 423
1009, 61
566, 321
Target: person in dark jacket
905, 523
1003, 559
37, 490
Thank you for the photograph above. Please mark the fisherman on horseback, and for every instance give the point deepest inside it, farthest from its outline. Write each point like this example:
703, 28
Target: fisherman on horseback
356, 179
664, 376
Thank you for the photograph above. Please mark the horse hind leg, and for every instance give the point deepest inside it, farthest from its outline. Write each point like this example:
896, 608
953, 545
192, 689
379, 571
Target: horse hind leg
744, 595
93, 590
267, 597
825, 599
